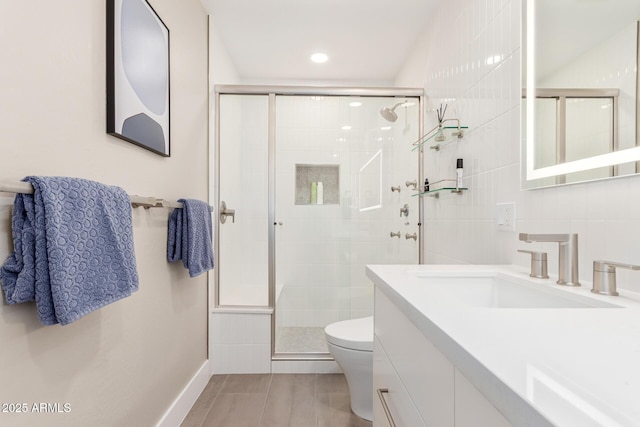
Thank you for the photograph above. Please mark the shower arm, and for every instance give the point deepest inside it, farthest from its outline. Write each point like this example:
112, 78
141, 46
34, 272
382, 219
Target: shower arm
397, 105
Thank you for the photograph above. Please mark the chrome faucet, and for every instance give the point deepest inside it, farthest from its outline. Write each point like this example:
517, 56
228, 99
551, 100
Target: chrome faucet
567, 255
538, 264
604, 276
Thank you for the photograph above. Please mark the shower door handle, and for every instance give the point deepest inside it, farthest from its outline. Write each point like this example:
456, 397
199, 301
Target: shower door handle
224, 213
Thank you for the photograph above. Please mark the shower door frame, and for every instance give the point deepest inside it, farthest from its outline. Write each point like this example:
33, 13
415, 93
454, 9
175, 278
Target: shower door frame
272, 92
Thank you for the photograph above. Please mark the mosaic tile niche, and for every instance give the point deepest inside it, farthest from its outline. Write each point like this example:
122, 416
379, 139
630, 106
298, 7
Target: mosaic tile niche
307, 175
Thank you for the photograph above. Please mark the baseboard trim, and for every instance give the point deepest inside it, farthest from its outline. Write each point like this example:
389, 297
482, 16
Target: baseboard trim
180, 407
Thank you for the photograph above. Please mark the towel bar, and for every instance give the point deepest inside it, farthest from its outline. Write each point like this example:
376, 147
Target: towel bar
136, 201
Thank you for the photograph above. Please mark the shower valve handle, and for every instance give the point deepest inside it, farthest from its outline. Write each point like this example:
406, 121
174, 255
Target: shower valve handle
224, 213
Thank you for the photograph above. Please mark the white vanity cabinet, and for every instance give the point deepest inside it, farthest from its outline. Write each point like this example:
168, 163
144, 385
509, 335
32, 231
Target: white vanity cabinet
423, 387
389, 391
472, 409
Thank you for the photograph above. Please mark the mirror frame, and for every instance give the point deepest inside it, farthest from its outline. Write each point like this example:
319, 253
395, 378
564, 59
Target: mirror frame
530, 173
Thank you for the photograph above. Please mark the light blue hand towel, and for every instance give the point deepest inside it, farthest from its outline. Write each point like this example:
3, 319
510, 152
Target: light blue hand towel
73, 248
190, 235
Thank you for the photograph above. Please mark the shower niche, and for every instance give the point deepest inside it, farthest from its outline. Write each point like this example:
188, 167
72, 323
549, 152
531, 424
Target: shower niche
317, 184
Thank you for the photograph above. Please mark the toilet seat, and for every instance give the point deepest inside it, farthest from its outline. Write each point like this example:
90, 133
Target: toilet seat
353, 334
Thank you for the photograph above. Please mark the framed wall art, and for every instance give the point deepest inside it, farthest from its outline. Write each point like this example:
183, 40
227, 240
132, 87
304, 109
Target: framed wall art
138, 75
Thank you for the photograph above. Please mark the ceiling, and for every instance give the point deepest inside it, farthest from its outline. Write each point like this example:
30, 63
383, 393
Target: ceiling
367, 41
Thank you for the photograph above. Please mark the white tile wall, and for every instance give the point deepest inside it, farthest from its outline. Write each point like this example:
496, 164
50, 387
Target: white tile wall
240, 342
450, 63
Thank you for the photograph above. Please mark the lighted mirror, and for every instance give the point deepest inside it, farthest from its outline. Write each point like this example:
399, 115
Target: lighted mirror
580, 97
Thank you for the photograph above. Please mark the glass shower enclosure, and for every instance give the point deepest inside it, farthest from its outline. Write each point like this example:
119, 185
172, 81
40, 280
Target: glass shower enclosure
319, 185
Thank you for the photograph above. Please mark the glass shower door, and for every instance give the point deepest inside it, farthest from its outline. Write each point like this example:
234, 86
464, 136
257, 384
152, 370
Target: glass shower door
243, 253
336, 160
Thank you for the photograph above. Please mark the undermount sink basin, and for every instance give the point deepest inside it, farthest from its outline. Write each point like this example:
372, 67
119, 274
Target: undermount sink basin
498, 290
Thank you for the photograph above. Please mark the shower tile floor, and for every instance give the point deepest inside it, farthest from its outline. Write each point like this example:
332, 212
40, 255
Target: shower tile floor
301, 340
277, 400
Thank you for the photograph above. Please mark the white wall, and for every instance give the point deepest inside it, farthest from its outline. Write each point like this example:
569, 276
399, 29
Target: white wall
450, 63
125, 363
221, 69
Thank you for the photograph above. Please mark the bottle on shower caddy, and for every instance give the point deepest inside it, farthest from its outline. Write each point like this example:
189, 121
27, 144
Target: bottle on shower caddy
320, 193
426, 185
459, 171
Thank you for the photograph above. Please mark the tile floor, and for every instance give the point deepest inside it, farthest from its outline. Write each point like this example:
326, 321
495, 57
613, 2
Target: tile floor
278, 400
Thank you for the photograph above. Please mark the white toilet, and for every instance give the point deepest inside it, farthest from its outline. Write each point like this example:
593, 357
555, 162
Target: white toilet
351, 344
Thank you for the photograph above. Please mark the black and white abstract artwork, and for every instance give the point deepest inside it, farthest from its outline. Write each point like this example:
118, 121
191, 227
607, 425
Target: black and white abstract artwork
138, 75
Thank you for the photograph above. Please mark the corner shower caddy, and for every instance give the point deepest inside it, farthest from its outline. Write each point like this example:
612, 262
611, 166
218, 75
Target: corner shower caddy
441, 134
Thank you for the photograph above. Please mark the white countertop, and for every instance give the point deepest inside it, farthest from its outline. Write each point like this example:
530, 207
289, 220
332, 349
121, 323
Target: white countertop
575, 367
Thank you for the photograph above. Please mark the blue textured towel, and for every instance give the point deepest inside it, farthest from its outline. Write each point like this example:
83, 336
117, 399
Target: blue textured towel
190, 236
73, 248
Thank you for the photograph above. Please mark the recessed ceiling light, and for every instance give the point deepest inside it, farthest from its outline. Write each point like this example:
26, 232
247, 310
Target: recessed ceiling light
385, 128
346, 127
355, 104
319, 57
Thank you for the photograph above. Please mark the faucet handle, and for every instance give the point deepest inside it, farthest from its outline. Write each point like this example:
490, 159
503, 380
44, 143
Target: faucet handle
604, 276
538, 264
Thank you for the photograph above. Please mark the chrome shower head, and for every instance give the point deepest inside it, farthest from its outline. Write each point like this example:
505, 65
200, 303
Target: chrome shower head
389, 114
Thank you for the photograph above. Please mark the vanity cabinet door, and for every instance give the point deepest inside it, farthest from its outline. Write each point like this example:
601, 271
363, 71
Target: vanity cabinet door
472, 409
388, 390
426, 373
